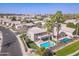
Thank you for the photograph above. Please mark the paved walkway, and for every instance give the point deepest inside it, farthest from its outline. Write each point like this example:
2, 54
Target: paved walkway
73, 53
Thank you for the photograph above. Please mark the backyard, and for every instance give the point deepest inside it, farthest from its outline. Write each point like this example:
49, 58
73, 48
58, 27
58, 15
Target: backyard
68, 49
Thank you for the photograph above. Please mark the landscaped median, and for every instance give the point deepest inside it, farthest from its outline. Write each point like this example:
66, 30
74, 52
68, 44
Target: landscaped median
68, 49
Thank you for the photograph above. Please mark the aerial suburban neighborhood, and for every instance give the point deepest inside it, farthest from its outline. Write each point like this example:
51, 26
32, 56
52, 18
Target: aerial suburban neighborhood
39, 34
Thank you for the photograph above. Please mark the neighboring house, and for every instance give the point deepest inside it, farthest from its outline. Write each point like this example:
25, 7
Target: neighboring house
67, 30
71, 21
30, 25
19, 26
4, 21
15, 22
40, 23
33, 20
24, 26
46, 19
36, 34
8, 22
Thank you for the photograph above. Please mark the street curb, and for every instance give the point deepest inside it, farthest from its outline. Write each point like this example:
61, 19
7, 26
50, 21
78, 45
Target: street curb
1, 41
21, 44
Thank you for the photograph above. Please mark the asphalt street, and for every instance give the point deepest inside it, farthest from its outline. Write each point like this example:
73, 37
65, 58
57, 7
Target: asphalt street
10, 44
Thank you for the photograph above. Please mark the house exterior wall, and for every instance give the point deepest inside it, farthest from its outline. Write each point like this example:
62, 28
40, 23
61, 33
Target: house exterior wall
30, 36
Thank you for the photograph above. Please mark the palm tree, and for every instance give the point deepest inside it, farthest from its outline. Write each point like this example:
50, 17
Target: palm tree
77, 24
58, 19
48, 24
77, 29
13, 19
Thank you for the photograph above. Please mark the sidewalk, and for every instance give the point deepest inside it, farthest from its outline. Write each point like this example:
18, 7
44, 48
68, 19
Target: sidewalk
73, 53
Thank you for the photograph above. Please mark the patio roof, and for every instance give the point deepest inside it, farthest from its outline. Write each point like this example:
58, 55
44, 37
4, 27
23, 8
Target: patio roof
47, 35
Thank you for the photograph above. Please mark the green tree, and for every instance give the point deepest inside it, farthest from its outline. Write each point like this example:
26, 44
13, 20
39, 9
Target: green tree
44, 52
48, 25
23, 36
48, 52
13, 18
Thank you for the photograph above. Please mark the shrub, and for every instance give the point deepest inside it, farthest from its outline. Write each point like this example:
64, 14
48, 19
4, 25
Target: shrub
71, 25
31, 44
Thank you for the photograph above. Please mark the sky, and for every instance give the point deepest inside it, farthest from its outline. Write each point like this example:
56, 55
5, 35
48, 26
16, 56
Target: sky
39, 8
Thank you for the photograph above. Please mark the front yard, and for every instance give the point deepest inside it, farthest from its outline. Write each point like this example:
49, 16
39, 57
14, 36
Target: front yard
68, 49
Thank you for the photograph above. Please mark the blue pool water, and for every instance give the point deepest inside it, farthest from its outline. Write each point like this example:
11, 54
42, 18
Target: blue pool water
47, 44
65, 40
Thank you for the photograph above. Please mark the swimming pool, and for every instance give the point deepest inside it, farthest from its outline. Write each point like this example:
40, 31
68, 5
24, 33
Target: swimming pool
47, 44
65, 40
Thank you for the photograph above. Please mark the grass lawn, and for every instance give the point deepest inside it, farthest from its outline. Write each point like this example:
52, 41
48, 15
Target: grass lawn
68, 50
33, 45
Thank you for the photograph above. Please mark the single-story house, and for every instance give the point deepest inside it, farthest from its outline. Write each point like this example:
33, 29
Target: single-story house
41, 23
68, 31
25, 26
8, 22
4, 21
